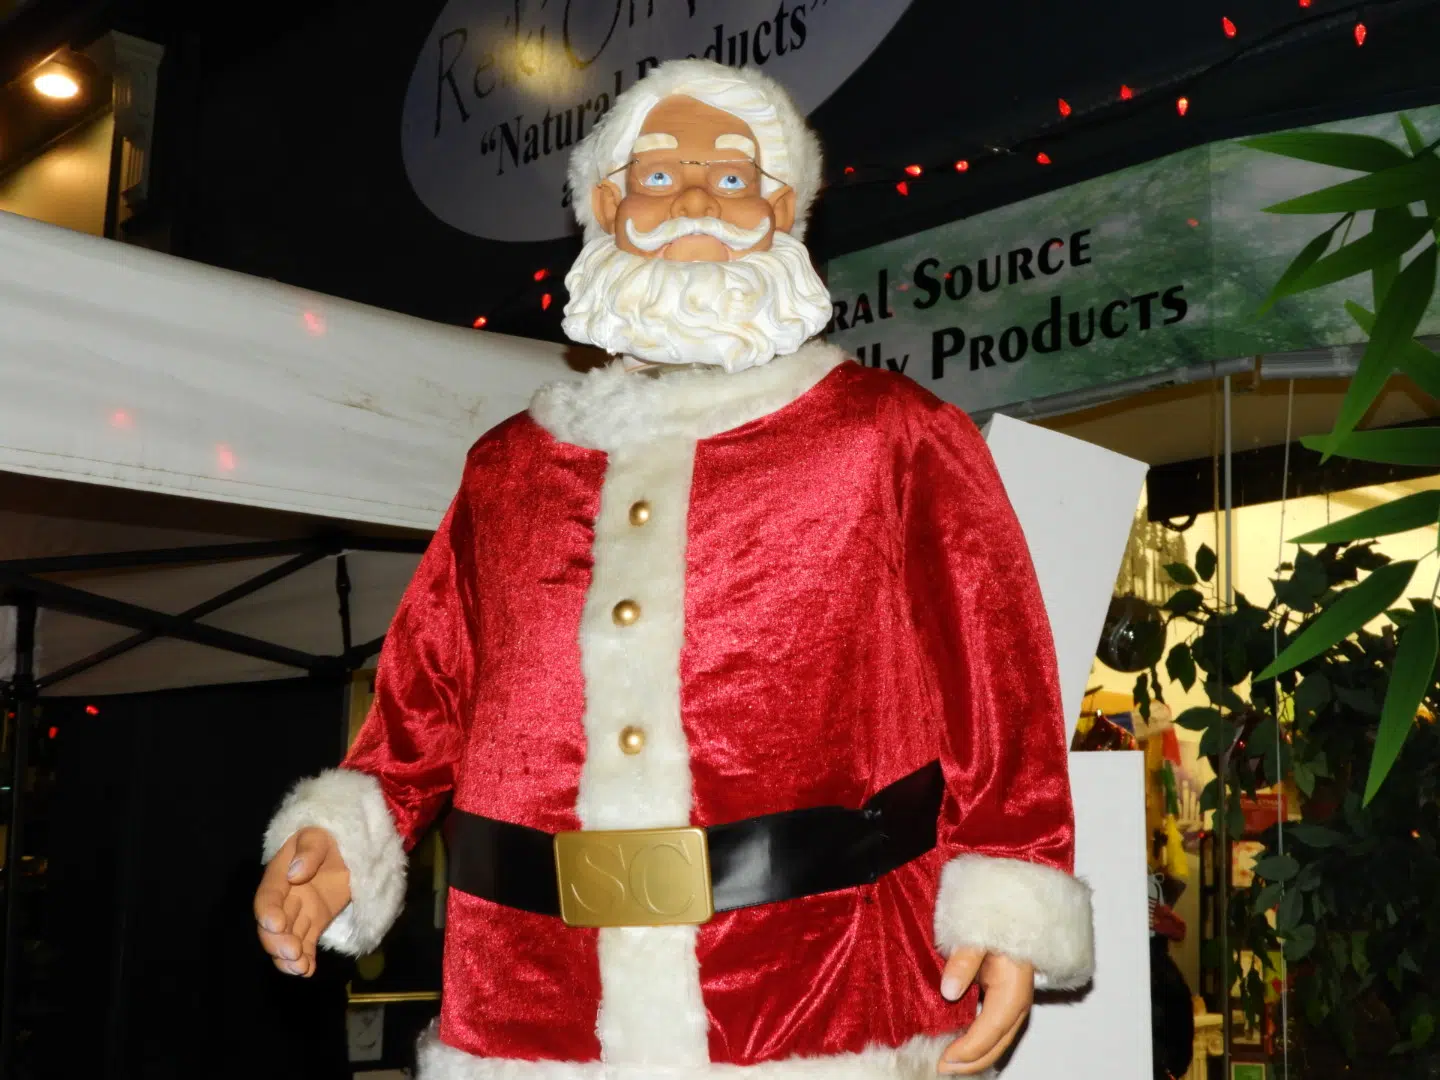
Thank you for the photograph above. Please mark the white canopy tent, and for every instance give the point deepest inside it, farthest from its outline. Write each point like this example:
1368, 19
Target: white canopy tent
247, 424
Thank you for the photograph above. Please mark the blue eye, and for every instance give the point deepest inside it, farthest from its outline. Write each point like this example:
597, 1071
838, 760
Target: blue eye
731, 182
658, 178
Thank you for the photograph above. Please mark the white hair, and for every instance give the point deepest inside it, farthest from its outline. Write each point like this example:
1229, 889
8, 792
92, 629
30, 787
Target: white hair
733, 314
789, 150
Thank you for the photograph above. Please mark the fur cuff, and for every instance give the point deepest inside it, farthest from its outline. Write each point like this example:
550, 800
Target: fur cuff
351, 807
1026, 911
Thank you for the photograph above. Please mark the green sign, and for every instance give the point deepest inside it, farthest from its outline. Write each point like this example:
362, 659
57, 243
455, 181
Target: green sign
1148, 270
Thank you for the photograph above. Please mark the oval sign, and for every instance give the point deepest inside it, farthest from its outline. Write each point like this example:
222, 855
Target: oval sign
503, 88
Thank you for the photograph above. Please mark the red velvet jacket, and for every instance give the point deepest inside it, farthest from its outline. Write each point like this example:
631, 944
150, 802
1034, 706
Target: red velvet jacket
833, 591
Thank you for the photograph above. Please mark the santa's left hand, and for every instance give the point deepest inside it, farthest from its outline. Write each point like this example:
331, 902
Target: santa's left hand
1008, 989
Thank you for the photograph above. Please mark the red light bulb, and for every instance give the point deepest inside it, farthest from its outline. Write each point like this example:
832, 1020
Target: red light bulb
1065, 109
92, 710
1043, 158
546, 301
1182, 105
54, 731
962, 165
1359, 34
1126, 93
903, 187
541, 274
479, 323
1304, 3
849, 170
1227, 26
914, 170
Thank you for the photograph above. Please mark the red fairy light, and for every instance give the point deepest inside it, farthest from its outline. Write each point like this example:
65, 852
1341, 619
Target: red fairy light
914, 170
1227, 26
479, 323
92, 710
962, 165
1192, 222
1304, 3
1043, 158
54, 731
1182, 105
546, 301
225, 458
121, 419
849, 170
1360, 33
315, 323
1064, 107
903, 187
541, 274
1126, 93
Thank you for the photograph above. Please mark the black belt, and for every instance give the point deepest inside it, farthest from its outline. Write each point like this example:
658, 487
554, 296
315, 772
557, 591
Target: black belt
761, 860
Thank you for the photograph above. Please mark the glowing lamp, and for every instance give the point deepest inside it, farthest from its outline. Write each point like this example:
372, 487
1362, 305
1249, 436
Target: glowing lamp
1043, 158
1126, 93
92, 710
962, 165
546, 301
1182, 105
914, 170
541, 274
903, 188
1227, 26
479, 323
56, 84
1065, 109
1360, 33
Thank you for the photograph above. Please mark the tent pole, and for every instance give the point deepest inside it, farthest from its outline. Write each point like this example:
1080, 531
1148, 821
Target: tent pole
342, 590
22, 701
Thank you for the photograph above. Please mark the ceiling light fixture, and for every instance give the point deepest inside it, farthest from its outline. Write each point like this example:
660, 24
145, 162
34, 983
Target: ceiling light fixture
59, 85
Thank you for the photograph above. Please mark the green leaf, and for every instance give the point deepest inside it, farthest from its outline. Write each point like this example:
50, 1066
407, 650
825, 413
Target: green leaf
1395, 325
1299, 266
1422, 1029
1292, 908
1180, 573
1354, 608
1358, 958
1184, 602
1197, 719
1412, 358
1402, 515
1277, 867
1412, 135
1410, 678
1267, 898
1388, 233
1394, 233
1316, 835
1398, 185
1205, 562
1180, 664
1392, 446
1363, 153
1217, 738
1210, 795
1300, 942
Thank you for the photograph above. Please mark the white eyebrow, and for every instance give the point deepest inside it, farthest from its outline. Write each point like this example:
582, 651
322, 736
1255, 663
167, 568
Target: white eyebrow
656, 140
737, 142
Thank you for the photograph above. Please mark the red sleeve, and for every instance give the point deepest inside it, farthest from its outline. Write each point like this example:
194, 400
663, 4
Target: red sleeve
415, 731
1007, 826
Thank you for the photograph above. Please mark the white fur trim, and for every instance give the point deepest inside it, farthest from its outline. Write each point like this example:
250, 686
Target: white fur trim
651, 1009
350, 806
1026, 911
789, 150
915, 1060
612, 409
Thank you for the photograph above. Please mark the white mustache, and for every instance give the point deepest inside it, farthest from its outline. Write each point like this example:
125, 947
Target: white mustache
672, 229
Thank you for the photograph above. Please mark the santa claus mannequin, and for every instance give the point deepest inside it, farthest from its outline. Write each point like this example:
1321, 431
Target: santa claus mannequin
729, 662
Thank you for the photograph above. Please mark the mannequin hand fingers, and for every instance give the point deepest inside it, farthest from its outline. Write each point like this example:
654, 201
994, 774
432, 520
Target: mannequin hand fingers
288, 967
1007, 1001
952, 1064
960, 971
272, 892
311, 848
282, 946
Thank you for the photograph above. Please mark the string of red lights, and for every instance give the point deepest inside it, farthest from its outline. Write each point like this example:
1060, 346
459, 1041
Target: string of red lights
1352, 17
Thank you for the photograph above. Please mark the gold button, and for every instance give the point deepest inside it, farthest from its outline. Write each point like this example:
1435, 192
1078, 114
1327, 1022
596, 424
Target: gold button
626, 613
632, 740
640, 513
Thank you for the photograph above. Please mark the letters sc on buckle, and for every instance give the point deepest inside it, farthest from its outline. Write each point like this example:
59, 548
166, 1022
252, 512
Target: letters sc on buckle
634, 877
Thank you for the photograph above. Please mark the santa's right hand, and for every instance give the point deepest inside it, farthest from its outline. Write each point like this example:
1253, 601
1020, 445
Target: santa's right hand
304, 887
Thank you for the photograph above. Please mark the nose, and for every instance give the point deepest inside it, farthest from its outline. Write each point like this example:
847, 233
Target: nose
694, 202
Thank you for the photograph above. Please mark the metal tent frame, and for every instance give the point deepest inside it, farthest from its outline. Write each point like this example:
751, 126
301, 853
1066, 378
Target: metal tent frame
23, 587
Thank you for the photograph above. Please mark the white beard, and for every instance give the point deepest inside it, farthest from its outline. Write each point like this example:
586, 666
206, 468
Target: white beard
734, 315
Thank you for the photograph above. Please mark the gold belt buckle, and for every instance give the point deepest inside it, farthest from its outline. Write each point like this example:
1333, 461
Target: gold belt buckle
634, 877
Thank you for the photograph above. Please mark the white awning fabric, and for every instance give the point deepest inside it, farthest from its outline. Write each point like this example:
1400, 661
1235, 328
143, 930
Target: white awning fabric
151, 402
